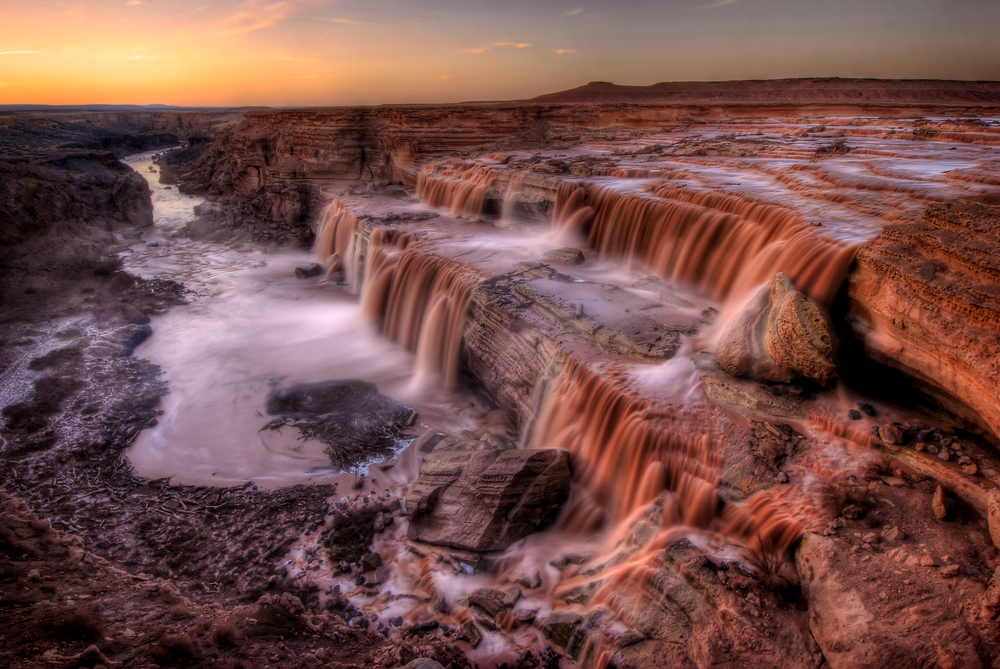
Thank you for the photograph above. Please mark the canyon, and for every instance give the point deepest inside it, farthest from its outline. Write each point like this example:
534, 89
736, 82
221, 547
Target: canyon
692, 374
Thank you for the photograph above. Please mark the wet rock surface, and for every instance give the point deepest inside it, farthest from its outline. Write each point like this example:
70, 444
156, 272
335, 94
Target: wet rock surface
778, 336
484, 496
356, 423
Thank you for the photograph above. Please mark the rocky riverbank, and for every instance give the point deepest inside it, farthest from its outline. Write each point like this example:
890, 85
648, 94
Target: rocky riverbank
665, 466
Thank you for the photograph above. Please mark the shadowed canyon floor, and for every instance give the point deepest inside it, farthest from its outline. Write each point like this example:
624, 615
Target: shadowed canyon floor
656, 383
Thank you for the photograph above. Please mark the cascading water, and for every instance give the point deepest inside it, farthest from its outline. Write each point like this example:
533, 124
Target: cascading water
338, 243
420, 301
721, 245
627, 451
460, 187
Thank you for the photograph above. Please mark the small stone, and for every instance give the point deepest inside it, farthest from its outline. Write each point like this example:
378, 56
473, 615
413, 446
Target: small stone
944, 454
867, 547
566, 256
128, 633
34, 576
971, 469
927, 561
874, 486
920, 447
371, 561
870, 538
867, 408
852, 512
941, 504
782, 477
526, 615
895, 482
932, 449
511, 597
892, 534
153, 245
891, 433
471, 633
429, 626
949, 571
312, 269
854, 415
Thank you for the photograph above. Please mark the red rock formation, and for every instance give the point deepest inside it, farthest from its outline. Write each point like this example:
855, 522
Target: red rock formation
925, 299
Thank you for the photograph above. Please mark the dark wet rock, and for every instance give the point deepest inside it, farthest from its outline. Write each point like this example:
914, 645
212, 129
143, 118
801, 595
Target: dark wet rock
854, 414
487, 600
471, 633
429, 626
483, 495
307, 271
566, 256
356, 423
867, 409
560, 626
891, 433
371, 561
780, 335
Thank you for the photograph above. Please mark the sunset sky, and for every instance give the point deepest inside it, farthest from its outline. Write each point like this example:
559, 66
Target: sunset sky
348, 52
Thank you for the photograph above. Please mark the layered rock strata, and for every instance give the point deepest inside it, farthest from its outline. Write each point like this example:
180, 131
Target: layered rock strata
925, 299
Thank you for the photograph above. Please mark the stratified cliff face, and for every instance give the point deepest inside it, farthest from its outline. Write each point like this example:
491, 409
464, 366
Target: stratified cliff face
266, 171
925, 299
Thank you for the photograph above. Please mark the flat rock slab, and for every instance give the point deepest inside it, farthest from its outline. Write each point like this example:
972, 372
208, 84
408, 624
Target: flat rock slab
476, 496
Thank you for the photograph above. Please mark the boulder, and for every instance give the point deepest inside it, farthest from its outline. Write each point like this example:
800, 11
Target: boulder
483, 495
780, 335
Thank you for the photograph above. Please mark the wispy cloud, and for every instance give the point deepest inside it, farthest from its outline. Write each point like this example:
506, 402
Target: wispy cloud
562, 51
12, 52
256, 17
495, 45
718, 3
132, 3
338, 20
574, 12
444, 76
143, 57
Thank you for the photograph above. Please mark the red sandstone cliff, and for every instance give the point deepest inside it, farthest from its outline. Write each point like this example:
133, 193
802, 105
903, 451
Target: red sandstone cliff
925, 299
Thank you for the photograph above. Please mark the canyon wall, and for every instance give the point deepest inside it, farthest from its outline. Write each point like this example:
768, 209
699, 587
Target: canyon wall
266, 172
925, 299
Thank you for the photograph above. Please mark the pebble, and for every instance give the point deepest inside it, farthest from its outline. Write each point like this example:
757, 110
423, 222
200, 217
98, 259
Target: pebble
870, 538
892, 534
940, 504
867, 408
927, 561
944, 454
949, 571
854, 414
895, 482
782, 477
971, 469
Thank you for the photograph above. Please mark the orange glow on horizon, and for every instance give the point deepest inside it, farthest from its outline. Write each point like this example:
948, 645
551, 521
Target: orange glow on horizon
327, 52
